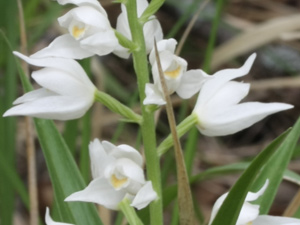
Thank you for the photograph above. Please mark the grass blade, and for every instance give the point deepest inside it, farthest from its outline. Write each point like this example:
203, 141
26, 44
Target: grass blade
230, 209
274, 169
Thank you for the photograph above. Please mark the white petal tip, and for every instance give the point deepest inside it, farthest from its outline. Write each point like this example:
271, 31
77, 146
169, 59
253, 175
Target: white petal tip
9, 112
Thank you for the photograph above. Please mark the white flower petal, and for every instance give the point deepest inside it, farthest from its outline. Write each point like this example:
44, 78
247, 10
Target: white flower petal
191, 83
52, 107
93, 3
100, 43
228, 95
251, 196
86, 15
63, 46
163, 45
69, 92
145, 195
108, 147
126, 151
173, 68
248, 211
62, 83
123, 27
101, 192
68, 65
33, 95
121, 52
275, 220
152, 31
141, 6
99, 158
238, 117
90, 29
212, 86
217, 106
248, 214
217, 206
50, 221
153, 96
130, 169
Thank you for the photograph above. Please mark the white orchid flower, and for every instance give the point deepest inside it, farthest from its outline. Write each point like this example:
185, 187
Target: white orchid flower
50, 221
178, 79
89, 29
66, 93
152, 29
117, 173
249, 214
218, 109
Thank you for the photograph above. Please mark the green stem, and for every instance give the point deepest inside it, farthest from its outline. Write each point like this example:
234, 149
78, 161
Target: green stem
115, 106
187, 124
148, 125
129, 212
84, 151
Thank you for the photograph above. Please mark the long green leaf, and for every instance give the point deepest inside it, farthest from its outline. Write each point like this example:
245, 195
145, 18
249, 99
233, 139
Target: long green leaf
14, 181
169, 193
8, 84
231, 207
274, 169
65, 175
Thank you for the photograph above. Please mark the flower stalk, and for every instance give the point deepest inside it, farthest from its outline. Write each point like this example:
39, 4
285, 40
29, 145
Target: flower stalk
129, 212
117, 107
187, 124
148, 125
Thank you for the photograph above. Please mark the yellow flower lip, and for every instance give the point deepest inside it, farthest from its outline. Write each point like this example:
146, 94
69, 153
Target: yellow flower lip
173, 73
77, 32
116, 182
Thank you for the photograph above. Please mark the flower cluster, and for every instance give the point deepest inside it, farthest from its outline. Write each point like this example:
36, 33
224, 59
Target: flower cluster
68, 93
249, 213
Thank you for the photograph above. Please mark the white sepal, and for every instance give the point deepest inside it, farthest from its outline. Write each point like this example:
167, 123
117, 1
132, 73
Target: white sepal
50, 221
145, 195
99, 191
153, 95
275, 220
191, 83
66, 93
152, 29
248, 213
218, 109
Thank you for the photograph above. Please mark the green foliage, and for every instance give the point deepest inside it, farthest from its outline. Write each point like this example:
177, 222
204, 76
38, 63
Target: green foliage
277, 154
8, 91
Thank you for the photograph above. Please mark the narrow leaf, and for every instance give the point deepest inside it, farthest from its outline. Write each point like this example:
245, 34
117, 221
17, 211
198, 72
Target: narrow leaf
231, 207
274, 169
